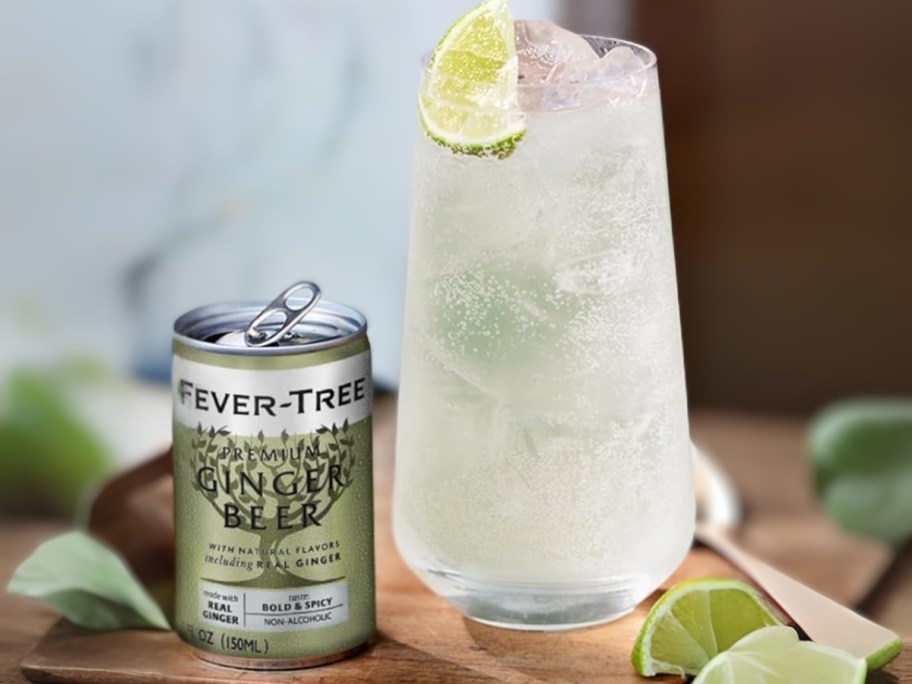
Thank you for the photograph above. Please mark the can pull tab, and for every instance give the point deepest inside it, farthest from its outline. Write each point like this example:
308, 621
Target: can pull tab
280, 305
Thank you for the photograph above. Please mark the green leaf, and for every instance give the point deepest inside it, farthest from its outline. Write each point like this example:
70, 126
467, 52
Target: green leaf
862, 454
88, 583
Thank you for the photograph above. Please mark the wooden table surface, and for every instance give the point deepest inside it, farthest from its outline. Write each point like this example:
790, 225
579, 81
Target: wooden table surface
766, 461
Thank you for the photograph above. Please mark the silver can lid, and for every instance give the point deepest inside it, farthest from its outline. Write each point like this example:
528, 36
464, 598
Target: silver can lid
286, 325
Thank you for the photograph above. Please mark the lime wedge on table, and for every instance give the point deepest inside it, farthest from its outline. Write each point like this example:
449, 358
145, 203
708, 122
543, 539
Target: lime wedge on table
469, 100
774, 655
696, 620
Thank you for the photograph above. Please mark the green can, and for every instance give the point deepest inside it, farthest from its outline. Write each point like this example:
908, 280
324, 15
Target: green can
273, 482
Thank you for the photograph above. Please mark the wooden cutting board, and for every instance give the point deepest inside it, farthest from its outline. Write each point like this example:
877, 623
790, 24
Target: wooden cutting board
421, 639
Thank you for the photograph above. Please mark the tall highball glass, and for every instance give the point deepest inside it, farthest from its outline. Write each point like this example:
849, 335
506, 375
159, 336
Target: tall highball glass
543, 474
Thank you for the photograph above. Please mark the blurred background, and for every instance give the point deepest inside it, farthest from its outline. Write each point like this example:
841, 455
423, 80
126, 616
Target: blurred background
157, 155
788, 146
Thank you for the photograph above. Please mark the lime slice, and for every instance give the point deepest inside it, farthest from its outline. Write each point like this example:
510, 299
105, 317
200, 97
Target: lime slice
774, 655
696, 620
469, 101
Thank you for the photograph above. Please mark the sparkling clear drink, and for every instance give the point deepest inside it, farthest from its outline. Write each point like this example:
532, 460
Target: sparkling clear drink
543, 463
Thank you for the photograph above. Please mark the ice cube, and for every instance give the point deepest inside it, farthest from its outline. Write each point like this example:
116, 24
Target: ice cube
621, 62
559, 69
546, 51
620, 74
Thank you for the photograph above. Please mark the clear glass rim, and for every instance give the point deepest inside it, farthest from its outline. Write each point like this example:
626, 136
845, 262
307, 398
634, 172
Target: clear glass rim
601, 44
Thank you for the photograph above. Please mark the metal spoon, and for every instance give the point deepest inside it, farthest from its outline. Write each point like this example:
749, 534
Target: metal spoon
820, 617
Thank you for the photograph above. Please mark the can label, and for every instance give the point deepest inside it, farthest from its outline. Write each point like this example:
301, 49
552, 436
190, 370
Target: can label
273, 501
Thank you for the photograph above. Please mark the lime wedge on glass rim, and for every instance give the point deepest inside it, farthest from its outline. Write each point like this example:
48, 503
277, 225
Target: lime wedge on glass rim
774, 655
695, 621
469, 100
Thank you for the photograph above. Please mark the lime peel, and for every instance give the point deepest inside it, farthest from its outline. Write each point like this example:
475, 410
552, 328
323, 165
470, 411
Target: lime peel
884, 655
500, 149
